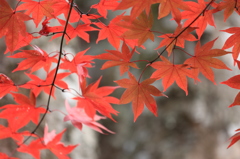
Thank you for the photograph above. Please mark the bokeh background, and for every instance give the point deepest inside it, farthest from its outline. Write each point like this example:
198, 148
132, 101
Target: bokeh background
195, 126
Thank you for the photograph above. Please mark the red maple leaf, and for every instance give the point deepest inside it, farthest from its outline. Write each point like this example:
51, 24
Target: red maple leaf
170, 72
23, 41
202, 21
112, 31
139, 94
234, 138
38, 9
96, 99
78, 117
177, 38
50, 141
37, 85
11, 131
62, 7
11, 25
236, 100
104, 5
35, 59
5, 156
204, 59
233, 82
138, 28
137, 6
233, 40
72, 32
6, 85
22, 113
117, 58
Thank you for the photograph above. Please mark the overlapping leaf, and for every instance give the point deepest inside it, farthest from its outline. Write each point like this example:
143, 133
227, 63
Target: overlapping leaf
78, 117
234, 138
50, 141
177, 38
201, 22
37, 85
62, 7
138, 28
72, 32
78, 64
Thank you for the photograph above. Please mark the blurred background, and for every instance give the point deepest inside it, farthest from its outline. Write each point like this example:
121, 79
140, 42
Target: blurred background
195, 126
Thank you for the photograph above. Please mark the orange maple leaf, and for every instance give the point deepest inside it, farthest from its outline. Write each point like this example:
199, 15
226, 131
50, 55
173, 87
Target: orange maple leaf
167, 6
170, 72
203, 60
138, 28
139, 94
96, 99
233, 82
203, 20
229, 6
112, 31
117, 58
177, 38
11, 25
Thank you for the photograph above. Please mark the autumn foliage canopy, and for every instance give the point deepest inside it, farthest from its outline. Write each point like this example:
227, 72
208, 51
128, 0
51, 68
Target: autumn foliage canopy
63, 21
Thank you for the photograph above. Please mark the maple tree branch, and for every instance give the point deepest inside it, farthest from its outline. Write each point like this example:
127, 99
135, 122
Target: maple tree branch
184, 52
157, 32
235, 6
17, 5
182, 31
57, 33
54, 78
140, 61
175, 38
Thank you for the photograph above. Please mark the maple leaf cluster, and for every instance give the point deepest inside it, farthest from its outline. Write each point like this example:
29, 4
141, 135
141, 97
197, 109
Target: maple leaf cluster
126, 33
